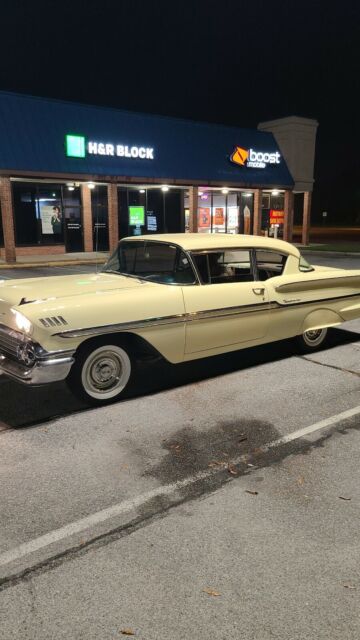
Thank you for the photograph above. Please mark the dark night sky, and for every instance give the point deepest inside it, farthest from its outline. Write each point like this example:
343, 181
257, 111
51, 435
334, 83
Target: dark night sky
227, 61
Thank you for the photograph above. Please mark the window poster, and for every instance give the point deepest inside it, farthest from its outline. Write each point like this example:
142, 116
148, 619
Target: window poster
51, 219
219, 215
233, 217
204, 217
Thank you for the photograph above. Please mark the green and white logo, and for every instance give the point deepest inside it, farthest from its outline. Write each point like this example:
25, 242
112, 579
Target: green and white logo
75, 146
78, 147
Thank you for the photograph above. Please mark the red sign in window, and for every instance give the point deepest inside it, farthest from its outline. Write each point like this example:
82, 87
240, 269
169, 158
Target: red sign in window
276, 217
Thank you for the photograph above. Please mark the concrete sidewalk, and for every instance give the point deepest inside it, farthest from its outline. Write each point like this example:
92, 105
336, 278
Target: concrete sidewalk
56, 260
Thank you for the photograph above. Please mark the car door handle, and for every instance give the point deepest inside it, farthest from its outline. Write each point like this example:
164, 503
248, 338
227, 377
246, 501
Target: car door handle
259, 291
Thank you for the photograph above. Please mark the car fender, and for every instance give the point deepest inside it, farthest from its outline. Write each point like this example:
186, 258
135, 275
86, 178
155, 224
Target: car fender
321, 319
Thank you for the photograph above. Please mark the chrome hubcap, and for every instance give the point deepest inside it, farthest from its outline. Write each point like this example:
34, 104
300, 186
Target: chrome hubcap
315, 336
106, 372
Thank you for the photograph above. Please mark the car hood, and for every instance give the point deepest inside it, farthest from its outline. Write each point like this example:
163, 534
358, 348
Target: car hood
32, 290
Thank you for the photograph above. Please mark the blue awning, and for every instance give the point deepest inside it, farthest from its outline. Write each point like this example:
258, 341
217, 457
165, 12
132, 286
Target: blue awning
33, 130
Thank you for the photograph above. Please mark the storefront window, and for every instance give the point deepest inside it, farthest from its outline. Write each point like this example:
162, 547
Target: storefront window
47, 214
272, 213
223, 212
150, 210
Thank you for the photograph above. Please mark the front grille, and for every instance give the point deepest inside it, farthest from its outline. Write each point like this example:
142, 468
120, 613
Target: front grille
10, 341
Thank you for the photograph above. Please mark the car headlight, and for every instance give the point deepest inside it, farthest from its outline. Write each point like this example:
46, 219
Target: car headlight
22, 323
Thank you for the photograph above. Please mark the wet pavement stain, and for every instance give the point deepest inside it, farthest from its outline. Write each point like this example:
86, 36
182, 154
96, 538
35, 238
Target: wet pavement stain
191, 450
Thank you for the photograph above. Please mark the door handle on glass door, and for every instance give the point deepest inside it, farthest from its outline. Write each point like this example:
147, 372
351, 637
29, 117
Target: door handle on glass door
259, 291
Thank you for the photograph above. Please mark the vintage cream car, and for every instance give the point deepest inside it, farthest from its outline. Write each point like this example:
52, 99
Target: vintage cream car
183, 296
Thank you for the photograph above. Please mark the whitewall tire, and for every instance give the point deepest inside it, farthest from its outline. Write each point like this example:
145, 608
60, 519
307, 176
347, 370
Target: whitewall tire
101, 373
312, 340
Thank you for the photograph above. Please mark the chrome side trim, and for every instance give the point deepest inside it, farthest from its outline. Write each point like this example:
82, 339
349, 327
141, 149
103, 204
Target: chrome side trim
317, 301
281, 288
191, 317
166, 320
122, 326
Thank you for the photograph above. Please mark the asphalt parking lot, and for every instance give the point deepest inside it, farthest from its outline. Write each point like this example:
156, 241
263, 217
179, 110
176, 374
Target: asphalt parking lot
219, 500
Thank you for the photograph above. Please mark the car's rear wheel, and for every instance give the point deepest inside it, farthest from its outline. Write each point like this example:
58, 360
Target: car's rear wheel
312, 340
101, 372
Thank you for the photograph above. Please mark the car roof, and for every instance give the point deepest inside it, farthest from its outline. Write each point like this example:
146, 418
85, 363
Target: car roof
203, 241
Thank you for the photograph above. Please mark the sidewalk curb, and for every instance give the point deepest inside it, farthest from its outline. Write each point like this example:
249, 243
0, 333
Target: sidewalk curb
67, 263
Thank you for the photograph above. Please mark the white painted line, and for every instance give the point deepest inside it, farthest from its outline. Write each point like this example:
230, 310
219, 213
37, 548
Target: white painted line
323, 424
99, 517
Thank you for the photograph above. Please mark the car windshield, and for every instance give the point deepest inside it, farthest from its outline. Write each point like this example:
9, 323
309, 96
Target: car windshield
155, 261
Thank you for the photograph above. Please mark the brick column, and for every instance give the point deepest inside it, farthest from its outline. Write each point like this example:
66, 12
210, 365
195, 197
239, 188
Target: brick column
306, 217
257, 212
113, 213
288, 215
193, 209
7, 213
87, 218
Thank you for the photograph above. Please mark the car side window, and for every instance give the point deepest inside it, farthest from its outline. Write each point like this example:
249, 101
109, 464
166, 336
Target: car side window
269, 264
229, 265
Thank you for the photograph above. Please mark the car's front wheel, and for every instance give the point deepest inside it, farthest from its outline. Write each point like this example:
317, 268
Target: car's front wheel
101, 372
312, 340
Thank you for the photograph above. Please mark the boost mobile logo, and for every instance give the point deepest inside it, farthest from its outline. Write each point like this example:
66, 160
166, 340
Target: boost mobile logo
254, 159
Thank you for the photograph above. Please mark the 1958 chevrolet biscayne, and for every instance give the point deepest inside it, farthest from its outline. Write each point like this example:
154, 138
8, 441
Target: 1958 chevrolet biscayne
183, 296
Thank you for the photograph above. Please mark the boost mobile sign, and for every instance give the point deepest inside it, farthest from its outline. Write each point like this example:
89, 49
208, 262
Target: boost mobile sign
254, 159
77, 147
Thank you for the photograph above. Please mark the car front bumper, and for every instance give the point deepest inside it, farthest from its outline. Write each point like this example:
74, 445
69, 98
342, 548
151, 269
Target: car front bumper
41, 372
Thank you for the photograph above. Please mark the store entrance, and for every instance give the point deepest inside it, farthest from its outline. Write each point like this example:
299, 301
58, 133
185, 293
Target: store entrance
73, 230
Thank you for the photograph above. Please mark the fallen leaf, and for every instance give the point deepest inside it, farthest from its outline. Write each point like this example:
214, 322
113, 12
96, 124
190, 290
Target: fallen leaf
252, 493
300, 480
242, 439
44, 430
343, 498
250, 465
216, 463
233, 470
349, 586
127, 632
211, 592
124, 466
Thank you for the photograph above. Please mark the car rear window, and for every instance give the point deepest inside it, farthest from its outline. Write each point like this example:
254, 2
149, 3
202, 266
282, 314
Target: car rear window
269, 264
218, 267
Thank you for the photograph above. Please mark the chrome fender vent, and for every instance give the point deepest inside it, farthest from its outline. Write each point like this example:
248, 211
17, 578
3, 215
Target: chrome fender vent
54, 321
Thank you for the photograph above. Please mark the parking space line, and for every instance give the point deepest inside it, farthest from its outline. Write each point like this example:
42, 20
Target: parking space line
127, 506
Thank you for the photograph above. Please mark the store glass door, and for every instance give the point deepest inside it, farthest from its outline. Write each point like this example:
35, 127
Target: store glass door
73, 235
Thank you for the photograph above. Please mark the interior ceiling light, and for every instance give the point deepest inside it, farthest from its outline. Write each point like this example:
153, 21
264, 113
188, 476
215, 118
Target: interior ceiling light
224, 191
275, 192
247, 195
91, 185
141, 190
164, 188
201, 193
